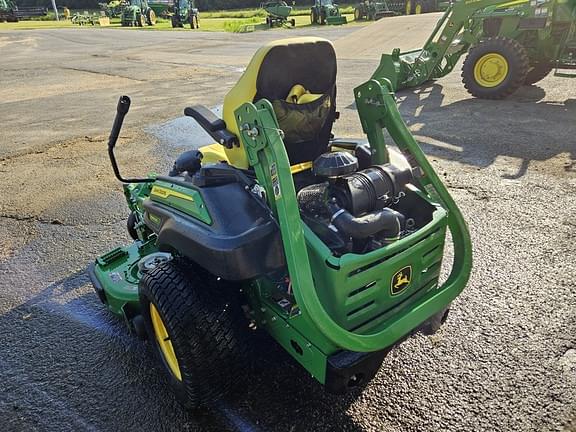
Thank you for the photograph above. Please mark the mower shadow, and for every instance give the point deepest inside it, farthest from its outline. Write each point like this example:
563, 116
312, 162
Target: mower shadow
115, 375
477, 132
279, 395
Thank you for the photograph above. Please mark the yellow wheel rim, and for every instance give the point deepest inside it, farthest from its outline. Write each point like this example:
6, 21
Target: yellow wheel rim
491, 70
418, 9
163, 340
408, 7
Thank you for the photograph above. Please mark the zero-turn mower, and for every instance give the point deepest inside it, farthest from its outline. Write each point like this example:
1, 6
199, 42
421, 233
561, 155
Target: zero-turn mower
332, 246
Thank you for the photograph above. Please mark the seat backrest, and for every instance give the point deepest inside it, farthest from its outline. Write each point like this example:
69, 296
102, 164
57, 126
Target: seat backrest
271, 74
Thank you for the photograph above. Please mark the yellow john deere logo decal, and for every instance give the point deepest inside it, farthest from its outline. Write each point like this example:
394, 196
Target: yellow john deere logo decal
401, 280
165, 193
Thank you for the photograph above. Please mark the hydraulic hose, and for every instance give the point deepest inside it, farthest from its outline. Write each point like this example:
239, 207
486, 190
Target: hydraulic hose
386, 221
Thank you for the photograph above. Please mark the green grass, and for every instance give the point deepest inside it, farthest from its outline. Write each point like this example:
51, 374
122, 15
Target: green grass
219, 21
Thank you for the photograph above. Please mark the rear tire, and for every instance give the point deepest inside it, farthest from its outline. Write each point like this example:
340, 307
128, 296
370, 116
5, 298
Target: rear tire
537, 72
151, 17
495, 68
408, 7
313, 17
357, 14
141, 20
419, 8
201, 321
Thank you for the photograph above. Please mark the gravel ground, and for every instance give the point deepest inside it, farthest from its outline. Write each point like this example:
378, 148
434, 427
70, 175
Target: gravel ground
505, 360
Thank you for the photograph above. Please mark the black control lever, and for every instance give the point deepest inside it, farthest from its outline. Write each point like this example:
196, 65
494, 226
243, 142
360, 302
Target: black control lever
121, 111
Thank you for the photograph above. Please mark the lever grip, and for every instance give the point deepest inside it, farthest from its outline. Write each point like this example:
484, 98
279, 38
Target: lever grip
121, 111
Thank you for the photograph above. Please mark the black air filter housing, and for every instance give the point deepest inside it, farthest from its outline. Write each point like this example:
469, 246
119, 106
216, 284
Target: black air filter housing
336, 164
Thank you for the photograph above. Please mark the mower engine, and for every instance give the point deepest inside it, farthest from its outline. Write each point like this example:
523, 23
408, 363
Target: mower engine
353, 210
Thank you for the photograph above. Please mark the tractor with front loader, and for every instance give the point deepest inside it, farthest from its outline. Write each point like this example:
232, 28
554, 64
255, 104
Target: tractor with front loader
326, 12
333, 247
508, 44
8, 11
137, 13
372, 10
185, 12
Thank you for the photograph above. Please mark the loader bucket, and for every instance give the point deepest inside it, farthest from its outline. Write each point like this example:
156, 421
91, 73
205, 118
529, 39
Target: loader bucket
336, 20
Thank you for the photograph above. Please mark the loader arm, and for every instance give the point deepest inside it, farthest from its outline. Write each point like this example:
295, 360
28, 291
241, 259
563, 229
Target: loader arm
450, 39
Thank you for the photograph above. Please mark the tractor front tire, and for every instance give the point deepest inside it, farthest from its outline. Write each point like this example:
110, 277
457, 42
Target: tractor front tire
141, 20
357, 14
313, 17
537, 72
495, 68
196, 327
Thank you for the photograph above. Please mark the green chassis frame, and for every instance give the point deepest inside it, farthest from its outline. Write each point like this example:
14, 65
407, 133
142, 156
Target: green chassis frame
307, 330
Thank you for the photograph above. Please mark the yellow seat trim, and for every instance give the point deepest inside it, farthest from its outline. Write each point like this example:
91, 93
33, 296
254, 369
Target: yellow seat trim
295, 169
213, 153
245, 91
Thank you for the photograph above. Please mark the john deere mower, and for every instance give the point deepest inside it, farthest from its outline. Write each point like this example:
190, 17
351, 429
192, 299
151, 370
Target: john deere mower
326, 12
331, 246
508, 44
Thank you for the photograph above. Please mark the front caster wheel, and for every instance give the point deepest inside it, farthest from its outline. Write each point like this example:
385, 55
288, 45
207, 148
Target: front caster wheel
433, 324
196, 329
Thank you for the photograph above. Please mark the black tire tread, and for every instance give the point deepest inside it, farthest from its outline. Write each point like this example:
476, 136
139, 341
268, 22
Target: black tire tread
205, 329
518, 60
538, 73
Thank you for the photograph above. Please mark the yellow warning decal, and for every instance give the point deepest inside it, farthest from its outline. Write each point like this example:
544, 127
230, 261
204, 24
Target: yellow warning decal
164, 193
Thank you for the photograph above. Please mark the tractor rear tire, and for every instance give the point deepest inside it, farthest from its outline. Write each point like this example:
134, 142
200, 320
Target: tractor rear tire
409, 10
419, 8
313, 17
357, 14
495, 68
141, 20
151, 17
197, 329
537, 73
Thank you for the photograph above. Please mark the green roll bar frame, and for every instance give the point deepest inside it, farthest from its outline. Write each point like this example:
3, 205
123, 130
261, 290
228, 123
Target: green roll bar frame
262, 140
